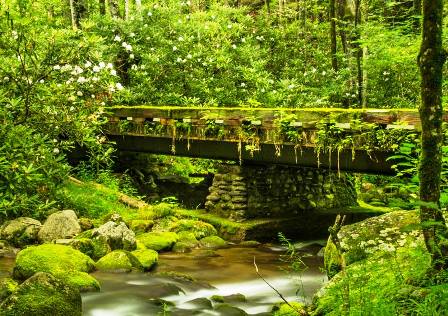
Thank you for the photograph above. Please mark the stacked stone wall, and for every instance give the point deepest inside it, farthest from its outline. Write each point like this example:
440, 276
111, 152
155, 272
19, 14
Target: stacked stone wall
275, 191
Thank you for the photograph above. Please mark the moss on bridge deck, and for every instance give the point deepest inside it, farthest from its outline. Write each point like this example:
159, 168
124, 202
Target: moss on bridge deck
342, 139
267, 116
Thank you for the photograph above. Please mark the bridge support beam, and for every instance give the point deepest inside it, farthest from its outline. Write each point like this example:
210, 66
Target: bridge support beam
276, 191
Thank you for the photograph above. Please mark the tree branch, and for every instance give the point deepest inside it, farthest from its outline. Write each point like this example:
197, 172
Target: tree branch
299, 312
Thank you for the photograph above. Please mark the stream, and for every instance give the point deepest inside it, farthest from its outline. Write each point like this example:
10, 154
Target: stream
224, 272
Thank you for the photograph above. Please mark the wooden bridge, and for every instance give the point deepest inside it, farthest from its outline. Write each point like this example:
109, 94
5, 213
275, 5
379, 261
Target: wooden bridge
340, 139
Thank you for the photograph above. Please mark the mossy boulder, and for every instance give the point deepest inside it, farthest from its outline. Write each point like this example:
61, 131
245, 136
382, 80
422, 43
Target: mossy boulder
293, 309
119, 261
21, 231
381, 233
198, 228
85, 234
186, 242
139, 226
43, 294
332, 260
158, 240
83, 281
94, 248
140, 245
63, 262
147, 257
383, 278
7, 287
213, 242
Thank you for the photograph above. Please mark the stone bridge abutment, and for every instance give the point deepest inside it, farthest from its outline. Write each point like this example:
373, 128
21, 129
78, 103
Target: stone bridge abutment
276, 191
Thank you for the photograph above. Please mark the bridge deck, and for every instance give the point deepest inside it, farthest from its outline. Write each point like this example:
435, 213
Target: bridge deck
355, 140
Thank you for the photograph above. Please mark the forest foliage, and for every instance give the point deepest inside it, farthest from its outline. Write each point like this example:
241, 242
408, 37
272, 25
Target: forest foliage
64, 62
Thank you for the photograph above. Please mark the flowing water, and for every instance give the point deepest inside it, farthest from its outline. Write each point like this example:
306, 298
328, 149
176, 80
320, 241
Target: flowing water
229, 271
224, 272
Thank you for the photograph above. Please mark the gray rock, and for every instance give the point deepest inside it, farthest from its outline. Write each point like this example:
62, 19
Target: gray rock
116, 235
21, 231
60, 225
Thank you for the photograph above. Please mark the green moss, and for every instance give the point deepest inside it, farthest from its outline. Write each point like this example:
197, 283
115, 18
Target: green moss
51, 258
119, 261
84, 245
93, 201
147, 257
85, 234
82, 281
249, 109
100, 249
374, 284
186, 242
362, 238
141, 225
221, 224
7, 287
200, 229
94, 248
164, 210
213, 242
158, 240
146, 213
140, 245
217, 298
332, 262
283, 309
43, 294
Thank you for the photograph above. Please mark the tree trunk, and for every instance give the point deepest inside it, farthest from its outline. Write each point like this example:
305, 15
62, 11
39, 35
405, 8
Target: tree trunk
268, 6
126, 9
114, 10
342, 25
431, 59
138, 6
74, 14
417, 6
365, 54
334, 57
359, 53
102, 4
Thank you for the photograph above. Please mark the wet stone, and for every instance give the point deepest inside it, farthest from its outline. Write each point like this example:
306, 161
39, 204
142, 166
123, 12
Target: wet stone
163, 289
200, 303
229, 310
